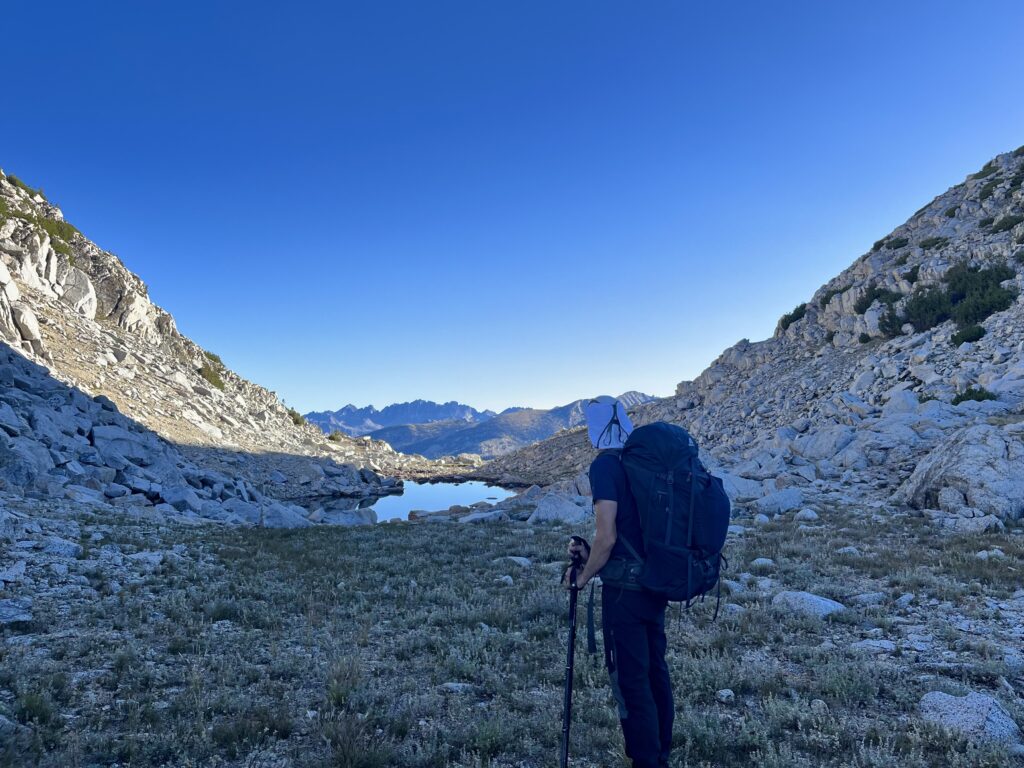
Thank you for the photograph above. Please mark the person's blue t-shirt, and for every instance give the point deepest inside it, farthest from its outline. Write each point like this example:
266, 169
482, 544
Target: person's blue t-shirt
608, 482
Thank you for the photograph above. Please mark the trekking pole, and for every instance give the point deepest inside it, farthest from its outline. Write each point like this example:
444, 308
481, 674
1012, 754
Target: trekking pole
570, 659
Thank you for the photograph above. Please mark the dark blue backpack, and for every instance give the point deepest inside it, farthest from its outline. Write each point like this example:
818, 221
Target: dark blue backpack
684, 512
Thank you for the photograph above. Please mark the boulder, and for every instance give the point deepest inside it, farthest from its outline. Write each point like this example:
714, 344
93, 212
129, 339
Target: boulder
112, 441
277, 515
740, 489
780, 501
79, 293
975, 715
985, 463
15, 610
487, 516
555, 508
182, 498
244, 510
807, 603
23, 461
824, 443
27, 323
901, 402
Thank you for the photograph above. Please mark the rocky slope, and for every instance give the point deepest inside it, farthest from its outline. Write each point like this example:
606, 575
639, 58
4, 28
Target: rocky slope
860, 392
356, 422
511, 429
104, 399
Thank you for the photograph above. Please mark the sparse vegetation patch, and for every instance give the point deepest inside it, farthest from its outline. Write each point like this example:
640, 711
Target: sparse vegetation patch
933, 242
32, 192
976, 394
875, 293
1007, 223
988, 190
969, 296
969, 333
791, 317
987, 170
212, 376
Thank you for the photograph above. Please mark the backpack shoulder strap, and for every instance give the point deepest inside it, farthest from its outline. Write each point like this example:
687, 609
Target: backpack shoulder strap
632, 549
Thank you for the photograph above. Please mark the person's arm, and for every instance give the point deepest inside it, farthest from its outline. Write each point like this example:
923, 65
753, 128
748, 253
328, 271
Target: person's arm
604, 539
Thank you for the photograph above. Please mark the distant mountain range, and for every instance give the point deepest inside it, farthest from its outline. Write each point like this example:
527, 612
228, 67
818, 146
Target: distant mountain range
448, 429
356, 421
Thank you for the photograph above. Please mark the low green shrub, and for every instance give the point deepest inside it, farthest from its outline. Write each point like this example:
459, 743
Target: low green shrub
1016, 180
865, 338
297, 418
902, 260
988, 190
1019, 256
933, 242
336, 436
986, 222
830, 294
54, 228
211, 375
897, 242
890, 323
967, 334
912, 275
928, 308
790, 318
970, 295
213, 358
951, 211
980, 304
878, 245
989, 168
1019, 152
25, 187
976, 394
830, 337
1007, 223
34, 708
873, 294
964, 279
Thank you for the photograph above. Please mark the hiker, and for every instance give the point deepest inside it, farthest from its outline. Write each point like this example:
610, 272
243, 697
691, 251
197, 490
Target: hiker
633, 619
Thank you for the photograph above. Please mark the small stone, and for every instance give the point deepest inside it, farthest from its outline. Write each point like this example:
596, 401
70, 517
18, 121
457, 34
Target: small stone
819, 707
505, 579
761, 519
806, 516
853, 551
904, 600
457, 687
738, 530
763, 564
725, 696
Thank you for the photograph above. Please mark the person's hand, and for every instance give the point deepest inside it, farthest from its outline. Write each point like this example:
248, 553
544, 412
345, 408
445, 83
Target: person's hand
579, 550
567, 577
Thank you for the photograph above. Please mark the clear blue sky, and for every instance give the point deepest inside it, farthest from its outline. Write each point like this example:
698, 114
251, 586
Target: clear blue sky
503, 202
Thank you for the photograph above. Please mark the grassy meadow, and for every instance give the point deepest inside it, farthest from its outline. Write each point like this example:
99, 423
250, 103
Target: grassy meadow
404, 645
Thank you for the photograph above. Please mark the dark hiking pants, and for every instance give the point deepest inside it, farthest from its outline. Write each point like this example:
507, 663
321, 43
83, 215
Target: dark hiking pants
634, 651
